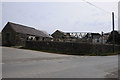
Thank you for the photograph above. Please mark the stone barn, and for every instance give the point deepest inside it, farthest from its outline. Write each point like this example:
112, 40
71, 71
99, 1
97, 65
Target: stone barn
15, 34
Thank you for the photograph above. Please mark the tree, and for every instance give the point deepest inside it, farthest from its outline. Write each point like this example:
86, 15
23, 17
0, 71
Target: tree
116, 38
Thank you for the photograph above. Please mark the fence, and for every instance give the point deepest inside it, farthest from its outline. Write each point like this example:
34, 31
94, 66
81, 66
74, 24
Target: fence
71, 48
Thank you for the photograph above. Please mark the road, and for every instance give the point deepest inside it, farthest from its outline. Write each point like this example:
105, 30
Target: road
20, 63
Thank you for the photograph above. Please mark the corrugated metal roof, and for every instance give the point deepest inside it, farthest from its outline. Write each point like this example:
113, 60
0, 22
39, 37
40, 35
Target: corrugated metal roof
27, 30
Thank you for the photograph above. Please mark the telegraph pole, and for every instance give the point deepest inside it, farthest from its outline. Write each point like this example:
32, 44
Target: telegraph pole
113, 34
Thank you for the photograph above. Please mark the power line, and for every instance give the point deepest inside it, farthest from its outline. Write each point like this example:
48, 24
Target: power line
95, 6
98, 7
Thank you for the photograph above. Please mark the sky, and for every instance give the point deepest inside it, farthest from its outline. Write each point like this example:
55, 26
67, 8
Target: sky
84, 16
119, 16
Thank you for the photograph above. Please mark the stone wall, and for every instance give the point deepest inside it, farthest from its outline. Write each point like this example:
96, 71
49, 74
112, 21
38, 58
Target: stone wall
71, 48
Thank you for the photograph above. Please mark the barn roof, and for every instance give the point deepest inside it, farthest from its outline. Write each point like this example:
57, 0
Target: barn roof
61, 32
27, 30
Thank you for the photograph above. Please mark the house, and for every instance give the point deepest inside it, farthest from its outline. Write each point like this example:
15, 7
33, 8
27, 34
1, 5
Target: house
63, 36
94, 38
77, 37
69, 36
60, 36
15, 34
105, 37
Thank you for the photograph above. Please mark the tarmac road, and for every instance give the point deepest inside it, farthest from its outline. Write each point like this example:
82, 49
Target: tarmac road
20, 63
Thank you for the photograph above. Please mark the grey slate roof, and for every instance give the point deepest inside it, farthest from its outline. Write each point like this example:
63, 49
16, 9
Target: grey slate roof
27, 30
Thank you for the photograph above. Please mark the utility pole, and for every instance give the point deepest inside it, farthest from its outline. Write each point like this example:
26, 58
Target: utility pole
113, 34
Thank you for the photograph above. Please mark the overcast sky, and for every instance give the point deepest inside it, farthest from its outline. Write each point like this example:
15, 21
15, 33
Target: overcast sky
65, 16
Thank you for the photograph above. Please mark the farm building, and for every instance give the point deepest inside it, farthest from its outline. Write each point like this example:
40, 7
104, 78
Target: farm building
105, 37
94, 38
15, 34
62, 36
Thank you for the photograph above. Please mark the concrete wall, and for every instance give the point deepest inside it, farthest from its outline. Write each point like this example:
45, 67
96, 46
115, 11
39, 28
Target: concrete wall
71, 48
